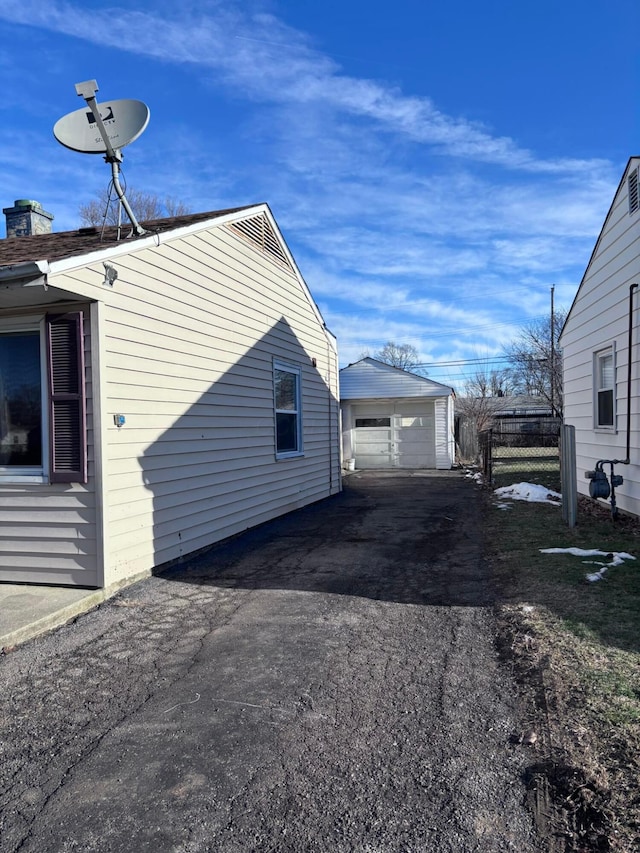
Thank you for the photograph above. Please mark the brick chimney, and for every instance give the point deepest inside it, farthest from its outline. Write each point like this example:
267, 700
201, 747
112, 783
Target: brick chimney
26, 218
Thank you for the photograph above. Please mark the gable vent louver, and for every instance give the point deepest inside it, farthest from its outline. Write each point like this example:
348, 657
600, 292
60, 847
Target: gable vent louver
258, 230
634, 197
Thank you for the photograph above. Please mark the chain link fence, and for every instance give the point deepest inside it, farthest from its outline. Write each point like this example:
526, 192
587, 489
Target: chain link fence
517, 457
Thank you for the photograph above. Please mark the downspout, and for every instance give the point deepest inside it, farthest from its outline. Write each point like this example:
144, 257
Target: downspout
599, 486
632, 288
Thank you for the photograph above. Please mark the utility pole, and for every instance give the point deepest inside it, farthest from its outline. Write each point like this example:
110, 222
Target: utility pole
553, 359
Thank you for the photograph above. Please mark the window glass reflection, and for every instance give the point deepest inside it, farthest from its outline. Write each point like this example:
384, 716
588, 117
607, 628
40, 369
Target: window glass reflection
20, 399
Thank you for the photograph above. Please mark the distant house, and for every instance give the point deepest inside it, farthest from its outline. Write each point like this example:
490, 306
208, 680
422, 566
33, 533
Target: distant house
157, 393
395, 419
600, 367
525, 414
513, 419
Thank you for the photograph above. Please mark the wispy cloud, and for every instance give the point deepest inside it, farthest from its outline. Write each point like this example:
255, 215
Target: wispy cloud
408, 223
241, 48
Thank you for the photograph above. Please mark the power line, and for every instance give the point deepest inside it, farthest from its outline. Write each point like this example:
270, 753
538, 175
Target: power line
462, 361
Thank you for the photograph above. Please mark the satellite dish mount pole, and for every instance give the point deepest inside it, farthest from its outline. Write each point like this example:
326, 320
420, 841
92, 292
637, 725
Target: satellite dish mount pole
113, 156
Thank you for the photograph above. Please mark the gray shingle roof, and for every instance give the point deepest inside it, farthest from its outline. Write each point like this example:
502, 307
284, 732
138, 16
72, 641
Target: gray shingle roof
66, 244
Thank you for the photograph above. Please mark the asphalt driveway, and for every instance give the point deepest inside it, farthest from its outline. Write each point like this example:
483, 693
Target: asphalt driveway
327, 682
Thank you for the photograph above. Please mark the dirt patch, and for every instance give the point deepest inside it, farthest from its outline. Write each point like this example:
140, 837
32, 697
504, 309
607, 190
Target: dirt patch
573, 647
569, 789
581, 805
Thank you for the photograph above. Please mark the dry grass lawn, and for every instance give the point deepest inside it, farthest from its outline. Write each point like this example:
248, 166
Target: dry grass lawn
575, 648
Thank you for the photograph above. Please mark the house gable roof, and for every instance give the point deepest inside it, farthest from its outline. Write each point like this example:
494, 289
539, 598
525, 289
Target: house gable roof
632, 163
61, 245
373, 379
36, 256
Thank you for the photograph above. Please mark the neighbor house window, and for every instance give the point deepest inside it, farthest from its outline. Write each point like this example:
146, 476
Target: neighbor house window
604, 402
42, 408
287, 395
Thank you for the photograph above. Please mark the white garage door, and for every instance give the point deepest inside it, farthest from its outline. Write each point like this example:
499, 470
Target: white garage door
400, 435
373, 439
416, 435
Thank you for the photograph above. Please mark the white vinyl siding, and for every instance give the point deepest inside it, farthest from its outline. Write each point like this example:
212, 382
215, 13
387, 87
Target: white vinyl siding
444, 438
191, 331
599, 321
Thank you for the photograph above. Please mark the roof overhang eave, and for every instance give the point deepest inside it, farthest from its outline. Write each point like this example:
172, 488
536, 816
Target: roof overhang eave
25, 271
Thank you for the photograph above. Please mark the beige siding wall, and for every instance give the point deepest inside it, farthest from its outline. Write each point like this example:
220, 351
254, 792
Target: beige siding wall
191, 329
48, 532
599, 318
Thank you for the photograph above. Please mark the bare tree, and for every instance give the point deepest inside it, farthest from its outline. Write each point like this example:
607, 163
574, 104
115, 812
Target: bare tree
536, 360
484, 395
404, 356
146, 206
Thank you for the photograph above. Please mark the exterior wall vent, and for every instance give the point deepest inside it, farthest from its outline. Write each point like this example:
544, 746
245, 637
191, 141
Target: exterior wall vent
258, 230
634, 196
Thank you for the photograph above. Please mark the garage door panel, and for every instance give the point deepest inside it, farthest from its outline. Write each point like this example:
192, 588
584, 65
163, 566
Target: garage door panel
416, 451
426, 421
415, 443
395, 435
415, 435
373, 447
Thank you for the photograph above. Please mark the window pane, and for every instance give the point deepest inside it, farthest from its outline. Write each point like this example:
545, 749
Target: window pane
287, 432
606, 371
20, 399
285, 390
605, 408
373, 422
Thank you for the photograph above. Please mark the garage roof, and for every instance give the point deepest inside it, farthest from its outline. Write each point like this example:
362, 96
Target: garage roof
370, 379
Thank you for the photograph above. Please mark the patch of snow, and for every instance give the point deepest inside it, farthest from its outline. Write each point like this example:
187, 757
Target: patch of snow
614, 558
501, 505
530, 492
592, 577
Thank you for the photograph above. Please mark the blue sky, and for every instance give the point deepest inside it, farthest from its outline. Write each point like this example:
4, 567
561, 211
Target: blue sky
434, 167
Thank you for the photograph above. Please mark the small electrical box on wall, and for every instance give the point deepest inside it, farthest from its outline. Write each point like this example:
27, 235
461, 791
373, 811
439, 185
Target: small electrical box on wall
119, 420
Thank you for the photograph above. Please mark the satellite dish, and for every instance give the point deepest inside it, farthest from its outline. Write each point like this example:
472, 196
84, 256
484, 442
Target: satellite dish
104, 129
124, 121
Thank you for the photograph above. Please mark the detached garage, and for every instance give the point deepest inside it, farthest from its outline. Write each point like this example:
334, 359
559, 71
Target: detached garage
395, 419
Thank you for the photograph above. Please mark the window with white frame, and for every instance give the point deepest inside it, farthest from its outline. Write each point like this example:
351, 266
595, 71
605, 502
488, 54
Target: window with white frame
288, 413
42, 400
605, 398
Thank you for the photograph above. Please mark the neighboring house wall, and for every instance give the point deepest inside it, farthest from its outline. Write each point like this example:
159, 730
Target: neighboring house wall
597, 327
185, 347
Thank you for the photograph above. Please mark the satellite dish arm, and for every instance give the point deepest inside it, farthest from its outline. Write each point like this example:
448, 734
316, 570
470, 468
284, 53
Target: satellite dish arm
88, 91
115, 170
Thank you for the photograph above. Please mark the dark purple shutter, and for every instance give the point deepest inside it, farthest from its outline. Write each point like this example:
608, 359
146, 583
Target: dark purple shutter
67, 414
